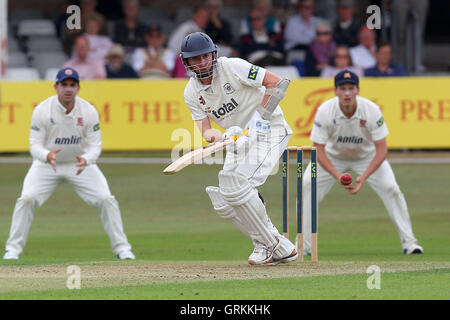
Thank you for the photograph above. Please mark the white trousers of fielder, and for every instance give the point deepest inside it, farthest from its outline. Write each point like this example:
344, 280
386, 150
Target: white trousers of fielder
382, 181
90, 185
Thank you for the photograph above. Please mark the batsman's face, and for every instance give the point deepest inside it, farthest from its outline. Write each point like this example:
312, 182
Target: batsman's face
347, 93
67, 90
201, 63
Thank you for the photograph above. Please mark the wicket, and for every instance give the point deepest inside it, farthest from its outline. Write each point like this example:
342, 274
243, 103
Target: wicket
285, 175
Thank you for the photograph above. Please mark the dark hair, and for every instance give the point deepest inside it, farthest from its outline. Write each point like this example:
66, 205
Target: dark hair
350, 61
383, 44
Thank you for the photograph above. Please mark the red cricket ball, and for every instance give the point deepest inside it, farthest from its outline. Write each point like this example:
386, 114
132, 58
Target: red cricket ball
346, 178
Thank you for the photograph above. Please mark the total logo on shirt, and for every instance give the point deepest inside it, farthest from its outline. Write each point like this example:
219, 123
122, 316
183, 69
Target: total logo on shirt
225, 109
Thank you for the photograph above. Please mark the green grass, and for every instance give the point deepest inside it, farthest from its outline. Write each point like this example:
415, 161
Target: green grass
401, 285
170, 218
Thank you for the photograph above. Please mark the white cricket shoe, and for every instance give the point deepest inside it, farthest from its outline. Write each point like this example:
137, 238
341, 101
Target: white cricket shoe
413, 249
287, 252
126, 255
10, 256
263, 254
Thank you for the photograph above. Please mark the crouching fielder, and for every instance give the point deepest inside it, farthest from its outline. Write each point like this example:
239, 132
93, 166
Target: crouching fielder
65, 143
237, 95
350, 134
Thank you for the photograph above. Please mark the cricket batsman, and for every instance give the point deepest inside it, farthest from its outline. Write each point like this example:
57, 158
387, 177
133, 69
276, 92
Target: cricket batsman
65, 143
237, 95
349, 133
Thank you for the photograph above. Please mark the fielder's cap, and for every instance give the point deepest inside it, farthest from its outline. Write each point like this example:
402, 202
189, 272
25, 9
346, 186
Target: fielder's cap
346, 76
67, 73
345, 3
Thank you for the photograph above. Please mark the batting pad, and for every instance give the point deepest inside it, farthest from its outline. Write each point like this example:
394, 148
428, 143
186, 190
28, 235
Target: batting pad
239, 194
227, 212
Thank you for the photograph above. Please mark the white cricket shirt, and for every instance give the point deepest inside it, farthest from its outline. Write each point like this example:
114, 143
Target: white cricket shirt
76, 133
349, 138
233, 96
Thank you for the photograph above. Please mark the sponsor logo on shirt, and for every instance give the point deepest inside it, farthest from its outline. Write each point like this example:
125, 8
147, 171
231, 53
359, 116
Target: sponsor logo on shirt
65, 140
362, 123
226, 108
79, 121
228, 88
352, 139
380, 122
202, 101
96, 127
253, 72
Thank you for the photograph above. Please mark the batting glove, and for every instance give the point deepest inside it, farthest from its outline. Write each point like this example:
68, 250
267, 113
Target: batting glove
232, 131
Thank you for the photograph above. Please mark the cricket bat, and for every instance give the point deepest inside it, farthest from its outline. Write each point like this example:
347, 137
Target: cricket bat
198, 154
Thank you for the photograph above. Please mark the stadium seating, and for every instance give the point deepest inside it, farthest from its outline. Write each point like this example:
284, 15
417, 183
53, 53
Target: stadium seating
43, 61
38, 27
51, 73
290, 72
21, 74
17, 59
44, 44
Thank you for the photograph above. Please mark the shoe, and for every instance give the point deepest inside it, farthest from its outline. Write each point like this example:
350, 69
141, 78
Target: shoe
287, 251
126, 255
263, 254
414, 249
10, 256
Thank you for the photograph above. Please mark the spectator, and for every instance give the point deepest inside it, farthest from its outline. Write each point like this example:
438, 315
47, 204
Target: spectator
320, 51
261, 47
272, 24
198, 22
400, 11
116, 67
341, 61
219, 29
154, 61
363, 55
88, 68
99, 45
346, 27
384, 66
301, 28
130, 33
68, 36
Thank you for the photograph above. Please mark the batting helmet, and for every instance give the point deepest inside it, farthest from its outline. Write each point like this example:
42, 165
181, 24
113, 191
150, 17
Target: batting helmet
196, 44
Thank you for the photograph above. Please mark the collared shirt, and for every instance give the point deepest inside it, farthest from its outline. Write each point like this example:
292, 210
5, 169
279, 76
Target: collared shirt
297, 31
394, 70
87, 70
233, 97
76, 133
349, 138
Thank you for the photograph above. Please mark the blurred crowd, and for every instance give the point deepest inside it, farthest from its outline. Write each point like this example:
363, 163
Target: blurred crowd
318, 46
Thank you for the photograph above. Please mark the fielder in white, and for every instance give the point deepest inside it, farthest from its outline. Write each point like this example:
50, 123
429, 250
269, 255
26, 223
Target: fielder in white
237, 95
350, 134
65, 142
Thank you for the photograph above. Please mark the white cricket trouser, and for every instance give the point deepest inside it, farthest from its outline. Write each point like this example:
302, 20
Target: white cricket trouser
382, 181
90, 185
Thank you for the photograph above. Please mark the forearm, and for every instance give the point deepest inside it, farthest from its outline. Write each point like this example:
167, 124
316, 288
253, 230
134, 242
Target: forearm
92, 153
325, 162
380, 156
39, 152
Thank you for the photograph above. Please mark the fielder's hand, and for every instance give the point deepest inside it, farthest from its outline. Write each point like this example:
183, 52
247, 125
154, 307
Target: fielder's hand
51, 158
359, 183
232, 131
81, 164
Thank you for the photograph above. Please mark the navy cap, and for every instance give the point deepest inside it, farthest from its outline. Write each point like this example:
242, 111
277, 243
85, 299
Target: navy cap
67, 73
346, 76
